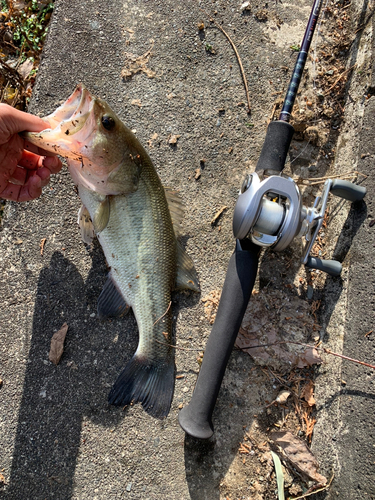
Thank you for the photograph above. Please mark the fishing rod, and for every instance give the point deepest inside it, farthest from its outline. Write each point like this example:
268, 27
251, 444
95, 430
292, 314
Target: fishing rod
268, 214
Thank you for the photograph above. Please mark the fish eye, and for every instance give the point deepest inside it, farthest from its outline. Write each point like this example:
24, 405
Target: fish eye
108, 122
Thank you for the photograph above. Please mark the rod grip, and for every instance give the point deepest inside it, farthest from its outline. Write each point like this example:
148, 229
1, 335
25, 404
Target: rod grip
275, 148
196, 418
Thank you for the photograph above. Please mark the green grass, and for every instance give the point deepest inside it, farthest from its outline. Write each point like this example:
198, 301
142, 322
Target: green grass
29, 25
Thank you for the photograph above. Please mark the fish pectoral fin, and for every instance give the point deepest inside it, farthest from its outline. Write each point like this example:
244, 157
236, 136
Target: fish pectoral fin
176, 208
187, 278
85, 225
102, 213
111, 303
148, 382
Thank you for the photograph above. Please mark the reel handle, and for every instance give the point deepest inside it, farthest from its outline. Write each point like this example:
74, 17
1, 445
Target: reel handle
347, 190
196, 418
332, 267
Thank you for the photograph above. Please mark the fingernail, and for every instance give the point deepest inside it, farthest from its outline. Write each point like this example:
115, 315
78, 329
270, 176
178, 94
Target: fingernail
50, 161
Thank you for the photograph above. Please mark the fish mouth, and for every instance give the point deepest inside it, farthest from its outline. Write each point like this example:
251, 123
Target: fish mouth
71, 125
78, 104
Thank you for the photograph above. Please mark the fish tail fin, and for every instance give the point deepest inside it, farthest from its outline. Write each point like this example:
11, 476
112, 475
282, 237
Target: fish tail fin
148, 382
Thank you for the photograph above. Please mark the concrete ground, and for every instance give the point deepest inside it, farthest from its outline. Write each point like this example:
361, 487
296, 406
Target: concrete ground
59, 439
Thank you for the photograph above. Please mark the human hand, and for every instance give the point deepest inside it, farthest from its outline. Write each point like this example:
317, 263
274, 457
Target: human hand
24, 168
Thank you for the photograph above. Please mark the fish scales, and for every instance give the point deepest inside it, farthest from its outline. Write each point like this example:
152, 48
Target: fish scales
140, 247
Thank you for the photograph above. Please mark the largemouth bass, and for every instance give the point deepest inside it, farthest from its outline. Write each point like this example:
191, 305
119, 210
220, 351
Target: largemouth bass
136, 221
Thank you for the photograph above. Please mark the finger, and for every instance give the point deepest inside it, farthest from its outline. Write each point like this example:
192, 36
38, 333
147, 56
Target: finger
32, 161
44, 173
16, 121
31, 190
19, 176
29, 160
53, 163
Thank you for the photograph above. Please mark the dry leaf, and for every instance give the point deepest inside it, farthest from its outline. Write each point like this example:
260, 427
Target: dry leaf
265, 324
308, 393
308, 358
25, 68
138, 64
198, 173
57, 344
172, 139
136, 102
283, 396
295, 489
152, 139
295, 451
211, 303
246, 6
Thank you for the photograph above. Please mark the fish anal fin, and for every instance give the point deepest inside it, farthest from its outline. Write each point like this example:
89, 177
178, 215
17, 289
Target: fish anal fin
85, 225
111, 303
148, 382
102, 213
187, 278
176, 208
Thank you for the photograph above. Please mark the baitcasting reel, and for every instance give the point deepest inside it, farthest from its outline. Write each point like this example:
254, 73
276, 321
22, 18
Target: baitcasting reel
270, 213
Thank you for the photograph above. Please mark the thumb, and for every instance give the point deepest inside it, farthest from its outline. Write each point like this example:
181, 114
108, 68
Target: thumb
13, 121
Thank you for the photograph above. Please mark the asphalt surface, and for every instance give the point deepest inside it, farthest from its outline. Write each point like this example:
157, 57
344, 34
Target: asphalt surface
59, 439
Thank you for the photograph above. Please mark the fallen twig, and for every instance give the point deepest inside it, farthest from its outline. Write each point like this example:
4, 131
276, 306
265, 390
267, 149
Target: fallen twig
177, 347
42, 243
218, 215
324, 349
309, 492
237, 55
320, 180
162, 316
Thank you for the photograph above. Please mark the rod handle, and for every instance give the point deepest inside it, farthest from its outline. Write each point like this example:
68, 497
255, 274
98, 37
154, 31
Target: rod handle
196, 418
275, 147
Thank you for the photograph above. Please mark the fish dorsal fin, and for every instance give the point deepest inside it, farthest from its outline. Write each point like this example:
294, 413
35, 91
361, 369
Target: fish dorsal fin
102, 213
111, 303
187, 278
176, 208
85, 225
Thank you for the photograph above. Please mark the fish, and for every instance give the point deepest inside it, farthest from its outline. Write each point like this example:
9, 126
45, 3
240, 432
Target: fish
138, 223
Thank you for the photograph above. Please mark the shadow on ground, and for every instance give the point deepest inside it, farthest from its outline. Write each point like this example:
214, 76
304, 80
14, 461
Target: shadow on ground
57, 399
